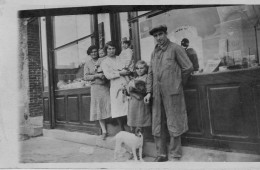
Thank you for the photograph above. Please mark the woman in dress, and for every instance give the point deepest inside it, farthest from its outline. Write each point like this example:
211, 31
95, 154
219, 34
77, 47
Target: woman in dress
111, 67
100, 98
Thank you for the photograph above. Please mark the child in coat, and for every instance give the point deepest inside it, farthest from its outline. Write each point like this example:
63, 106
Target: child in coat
139, 114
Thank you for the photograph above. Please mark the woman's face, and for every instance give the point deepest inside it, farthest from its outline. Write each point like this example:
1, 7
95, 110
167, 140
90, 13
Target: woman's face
111, 51
94, 53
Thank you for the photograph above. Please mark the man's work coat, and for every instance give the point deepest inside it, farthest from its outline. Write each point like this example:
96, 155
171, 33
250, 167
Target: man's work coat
169, 69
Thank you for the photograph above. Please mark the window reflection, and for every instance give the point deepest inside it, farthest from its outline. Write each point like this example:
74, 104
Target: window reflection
221, 36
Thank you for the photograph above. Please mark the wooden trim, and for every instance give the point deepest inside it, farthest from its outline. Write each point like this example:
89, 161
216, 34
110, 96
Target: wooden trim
51, 66
135, 36
73, 42
105, 9
115, 29
148, 14
96, 36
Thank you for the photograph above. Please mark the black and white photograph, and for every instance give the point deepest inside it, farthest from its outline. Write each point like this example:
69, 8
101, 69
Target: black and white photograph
130, 85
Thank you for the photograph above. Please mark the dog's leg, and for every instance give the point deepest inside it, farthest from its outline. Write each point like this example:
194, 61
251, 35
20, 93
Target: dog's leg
134, 153
117, 149
140, 154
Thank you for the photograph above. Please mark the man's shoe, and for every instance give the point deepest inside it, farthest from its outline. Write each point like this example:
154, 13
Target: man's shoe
174, 159
161, 159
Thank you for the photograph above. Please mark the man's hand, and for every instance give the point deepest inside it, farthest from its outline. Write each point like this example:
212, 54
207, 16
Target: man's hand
147, 98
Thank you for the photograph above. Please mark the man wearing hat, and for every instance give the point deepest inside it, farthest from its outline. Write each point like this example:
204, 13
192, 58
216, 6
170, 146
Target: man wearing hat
169, 70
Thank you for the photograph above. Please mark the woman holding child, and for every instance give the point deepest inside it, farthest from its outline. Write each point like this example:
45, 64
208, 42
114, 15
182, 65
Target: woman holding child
100, 98
113, 71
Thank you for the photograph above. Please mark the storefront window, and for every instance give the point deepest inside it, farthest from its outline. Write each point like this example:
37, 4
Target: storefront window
104, 29
72, 39
223, 38
44, 54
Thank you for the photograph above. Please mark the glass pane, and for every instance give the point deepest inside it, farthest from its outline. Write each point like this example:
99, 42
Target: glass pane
70, 60
44, 55
69, 65
71, 27
220, 35
104, 29
124, 25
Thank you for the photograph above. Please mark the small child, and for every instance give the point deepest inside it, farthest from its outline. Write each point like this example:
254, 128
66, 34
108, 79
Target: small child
126, 57
101, 54
139, 114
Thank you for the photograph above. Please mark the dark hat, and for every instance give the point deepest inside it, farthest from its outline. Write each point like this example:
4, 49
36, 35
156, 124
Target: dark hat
185, 42
158, 28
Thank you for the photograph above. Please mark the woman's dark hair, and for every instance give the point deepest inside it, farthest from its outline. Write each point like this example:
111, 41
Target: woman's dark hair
109, 43
91, 48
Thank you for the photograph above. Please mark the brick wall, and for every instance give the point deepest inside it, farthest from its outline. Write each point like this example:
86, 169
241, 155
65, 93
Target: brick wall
35, 70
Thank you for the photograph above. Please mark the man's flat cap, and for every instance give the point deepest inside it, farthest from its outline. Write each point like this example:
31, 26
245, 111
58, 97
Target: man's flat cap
158, 28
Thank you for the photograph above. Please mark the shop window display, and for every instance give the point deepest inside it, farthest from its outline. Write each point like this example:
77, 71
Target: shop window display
70, 50
224, 38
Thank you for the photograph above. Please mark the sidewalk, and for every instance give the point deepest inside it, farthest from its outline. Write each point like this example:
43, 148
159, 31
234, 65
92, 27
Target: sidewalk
50, 150
58, 146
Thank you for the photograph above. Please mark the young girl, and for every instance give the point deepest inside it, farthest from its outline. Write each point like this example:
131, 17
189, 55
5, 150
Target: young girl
139, 114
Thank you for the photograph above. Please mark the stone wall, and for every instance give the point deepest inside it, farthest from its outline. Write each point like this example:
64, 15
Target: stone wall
23, 70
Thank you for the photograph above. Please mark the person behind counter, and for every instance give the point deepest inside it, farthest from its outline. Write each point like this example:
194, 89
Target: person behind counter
169, 70
100, 98
191, 53
111, 68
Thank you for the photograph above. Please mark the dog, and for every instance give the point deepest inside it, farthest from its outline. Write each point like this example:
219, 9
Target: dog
129, 140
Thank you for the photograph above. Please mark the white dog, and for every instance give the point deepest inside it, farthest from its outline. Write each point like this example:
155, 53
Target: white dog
129, 140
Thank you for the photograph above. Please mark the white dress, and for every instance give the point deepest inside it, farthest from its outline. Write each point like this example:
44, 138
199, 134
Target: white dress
126, 59
119, 105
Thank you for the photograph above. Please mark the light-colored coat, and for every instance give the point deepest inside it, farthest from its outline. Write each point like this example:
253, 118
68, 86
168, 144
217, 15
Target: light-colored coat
169, 69
119, 105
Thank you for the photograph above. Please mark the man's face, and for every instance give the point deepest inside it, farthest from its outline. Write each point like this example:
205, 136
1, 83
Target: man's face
160, 37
